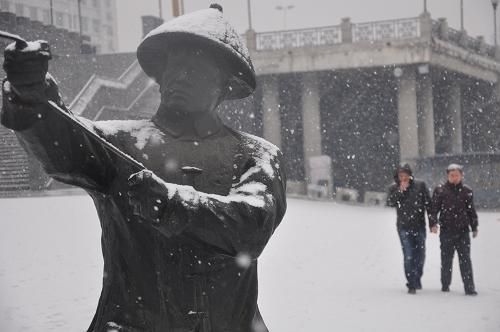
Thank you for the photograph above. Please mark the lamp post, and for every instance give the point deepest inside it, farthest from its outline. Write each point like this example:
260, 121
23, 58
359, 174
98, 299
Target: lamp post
425, 6
462, 15
285, 10
494, 3
51, 12
160, 9
176, 11
80, 18
249, 10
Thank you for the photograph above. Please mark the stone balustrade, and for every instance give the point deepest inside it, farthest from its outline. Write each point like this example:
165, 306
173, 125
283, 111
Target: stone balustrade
422, 27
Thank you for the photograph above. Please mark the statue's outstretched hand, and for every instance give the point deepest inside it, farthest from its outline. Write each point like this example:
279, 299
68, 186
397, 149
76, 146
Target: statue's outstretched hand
147, 196
29, 65
28, 81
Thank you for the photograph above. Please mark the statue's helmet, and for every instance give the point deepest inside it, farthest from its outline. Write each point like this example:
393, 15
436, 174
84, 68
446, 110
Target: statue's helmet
206, 29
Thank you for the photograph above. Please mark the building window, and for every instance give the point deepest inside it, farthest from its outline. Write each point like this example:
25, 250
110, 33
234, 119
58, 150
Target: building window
108, 3
19, 9
111, 47
5, 5
97, 25
34, 13
109, 30
95, 3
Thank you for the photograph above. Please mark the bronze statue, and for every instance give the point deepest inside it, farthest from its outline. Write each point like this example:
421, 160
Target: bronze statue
181, 238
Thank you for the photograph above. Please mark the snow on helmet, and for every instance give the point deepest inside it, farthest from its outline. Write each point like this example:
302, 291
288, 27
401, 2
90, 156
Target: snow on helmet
206, 28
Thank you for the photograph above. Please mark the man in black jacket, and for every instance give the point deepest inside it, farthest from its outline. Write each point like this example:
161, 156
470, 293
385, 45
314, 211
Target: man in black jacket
453, 202
411, 199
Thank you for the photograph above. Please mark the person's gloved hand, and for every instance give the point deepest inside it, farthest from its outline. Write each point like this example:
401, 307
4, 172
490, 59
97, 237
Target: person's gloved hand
474, 233
28, 65
147, 196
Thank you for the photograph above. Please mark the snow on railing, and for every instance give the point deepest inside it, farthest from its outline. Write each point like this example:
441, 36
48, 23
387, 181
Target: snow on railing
299, 38
386, 30
347, 32
85, 96
325, 36
126, 109
441, 31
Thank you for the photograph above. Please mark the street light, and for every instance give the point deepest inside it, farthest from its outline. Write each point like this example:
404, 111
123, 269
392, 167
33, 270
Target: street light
51, 12
249, 9
285, 10
494, 3
80, 18
462, 15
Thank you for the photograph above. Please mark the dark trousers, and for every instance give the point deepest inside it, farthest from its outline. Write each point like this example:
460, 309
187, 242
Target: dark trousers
461, 243
413, 244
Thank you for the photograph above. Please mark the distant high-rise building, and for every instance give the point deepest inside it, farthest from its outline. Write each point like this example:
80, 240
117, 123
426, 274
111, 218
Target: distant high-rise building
98, 18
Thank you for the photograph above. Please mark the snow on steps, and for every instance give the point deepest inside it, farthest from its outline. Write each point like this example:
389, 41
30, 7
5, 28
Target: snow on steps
95, 83
14, 163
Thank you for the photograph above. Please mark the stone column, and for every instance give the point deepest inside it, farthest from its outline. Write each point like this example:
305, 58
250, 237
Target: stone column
311, 119
455, 116
425, 26
271, 117
407, 115
426, 117
346, 30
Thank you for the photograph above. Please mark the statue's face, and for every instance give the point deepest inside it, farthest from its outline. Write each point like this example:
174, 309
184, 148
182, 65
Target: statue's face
192, 82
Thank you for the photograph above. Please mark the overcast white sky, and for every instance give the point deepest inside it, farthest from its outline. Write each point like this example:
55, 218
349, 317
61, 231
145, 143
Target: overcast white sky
309, 13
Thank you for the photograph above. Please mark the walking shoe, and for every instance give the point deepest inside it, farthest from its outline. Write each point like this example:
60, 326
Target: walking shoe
412, 291
419, 285
445, 289
471, 293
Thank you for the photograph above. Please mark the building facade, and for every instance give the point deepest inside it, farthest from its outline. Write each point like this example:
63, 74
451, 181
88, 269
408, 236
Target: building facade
346, 104
98, 18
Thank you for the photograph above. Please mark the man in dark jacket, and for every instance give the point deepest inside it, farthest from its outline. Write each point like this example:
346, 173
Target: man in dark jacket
411, 199
453, 209
181, 240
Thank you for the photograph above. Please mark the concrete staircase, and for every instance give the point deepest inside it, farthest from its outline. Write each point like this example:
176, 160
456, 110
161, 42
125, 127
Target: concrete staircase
14, 163
101, 98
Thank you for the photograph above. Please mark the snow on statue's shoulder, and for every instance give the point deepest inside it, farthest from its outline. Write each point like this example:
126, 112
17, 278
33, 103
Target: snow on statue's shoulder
263, 152
144, 131
259, 144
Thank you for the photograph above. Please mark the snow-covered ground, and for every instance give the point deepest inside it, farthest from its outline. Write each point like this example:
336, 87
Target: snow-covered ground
328, 267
